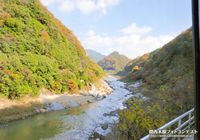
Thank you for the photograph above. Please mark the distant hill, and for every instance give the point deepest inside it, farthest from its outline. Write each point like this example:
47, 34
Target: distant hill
38, 51
114, 62
95, 55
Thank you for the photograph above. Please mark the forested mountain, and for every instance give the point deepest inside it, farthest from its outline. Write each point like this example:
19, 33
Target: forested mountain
167, 84
168, 69
114, 62
37, 50
170, 66
94, 55
137, 63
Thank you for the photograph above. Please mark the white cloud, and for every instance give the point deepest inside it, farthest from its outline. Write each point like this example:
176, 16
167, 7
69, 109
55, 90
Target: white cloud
98, 41
131, 44
133, 29
84, 6
90, 33
103, 4
47, 2
67, 6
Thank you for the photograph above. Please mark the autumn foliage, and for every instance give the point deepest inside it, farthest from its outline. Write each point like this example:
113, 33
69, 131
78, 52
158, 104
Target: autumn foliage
114, 62
135, 68
167, 81
38, 51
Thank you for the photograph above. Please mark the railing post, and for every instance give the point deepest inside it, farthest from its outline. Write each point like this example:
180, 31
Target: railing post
189, 119
179, 122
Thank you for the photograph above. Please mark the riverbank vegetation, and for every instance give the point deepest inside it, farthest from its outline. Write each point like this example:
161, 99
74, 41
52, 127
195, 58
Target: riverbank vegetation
37, 50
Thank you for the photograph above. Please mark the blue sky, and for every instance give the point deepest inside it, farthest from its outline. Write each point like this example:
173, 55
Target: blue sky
132, 27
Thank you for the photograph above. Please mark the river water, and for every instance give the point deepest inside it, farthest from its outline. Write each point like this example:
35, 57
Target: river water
75, 124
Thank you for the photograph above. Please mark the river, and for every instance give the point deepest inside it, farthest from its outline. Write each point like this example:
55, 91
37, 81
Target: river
75, 124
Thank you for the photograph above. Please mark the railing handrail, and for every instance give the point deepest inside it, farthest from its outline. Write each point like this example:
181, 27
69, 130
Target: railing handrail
171, 122
176, 119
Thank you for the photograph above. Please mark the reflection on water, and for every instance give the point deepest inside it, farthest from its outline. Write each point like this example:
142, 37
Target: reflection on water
76, 111
40, 126
74, 124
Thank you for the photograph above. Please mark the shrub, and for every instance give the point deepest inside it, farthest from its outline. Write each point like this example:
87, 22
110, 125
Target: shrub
72, 86
4, 15
137, 120
135, 68
14, 24
44, 36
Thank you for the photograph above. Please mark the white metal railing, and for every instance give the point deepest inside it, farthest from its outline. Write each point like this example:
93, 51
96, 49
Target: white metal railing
188, 123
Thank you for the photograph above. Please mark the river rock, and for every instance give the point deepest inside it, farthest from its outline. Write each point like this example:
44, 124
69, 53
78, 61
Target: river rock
96, 136
37, 111
112, 113
53, 106
43, 110
75, 104
67, 107
89, 101
104, 126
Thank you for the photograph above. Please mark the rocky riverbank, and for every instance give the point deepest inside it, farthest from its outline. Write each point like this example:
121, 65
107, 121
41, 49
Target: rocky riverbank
20, 109
134, 91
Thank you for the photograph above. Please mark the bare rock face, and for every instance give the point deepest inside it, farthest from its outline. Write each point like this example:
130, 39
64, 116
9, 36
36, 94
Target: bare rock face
102, 91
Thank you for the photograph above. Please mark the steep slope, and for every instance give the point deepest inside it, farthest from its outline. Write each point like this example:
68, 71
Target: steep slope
167, 83
137, 63
37, 50
167, 71
95, 55
114, 62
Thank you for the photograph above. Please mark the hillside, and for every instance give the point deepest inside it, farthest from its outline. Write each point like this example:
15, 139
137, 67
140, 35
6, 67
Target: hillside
114, 62
95, 55
167, 84
137, 63
38, 51
168, 70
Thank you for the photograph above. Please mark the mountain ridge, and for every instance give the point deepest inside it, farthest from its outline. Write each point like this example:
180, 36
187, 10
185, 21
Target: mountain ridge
96, 56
